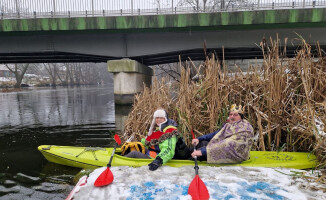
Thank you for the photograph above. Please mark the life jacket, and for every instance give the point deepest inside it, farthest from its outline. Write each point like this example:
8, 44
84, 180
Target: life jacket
132, 146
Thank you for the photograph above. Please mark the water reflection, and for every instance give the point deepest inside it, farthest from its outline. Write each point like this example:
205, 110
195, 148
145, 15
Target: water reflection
78, 116
61, 106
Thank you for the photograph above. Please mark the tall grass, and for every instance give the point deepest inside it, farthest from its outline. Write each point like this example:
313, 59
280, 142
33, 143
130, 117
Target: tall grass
284, 99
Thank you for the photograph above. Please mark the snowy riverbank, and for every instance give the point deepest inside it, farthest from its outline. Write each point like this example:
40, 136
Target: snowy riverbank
222, 183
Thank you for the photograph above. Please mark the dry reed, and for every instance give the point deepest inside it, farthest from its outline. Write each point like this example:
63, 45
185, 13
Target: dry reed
285, 100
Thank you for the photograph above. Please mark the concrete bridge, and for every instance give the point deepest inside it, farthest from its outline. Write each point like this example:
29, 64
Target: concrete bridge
155, 39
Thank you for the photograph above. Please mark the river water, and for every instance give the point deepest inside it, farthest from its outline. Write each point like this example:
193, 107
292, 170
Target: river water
78, 116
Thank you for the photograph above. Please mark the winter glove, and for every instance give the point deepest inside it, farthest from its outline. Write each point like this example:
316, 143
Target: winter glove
155, 164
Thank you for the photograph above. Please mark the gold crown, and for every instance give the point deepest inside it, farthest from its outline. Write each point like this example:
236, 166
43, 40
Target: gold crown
238, 109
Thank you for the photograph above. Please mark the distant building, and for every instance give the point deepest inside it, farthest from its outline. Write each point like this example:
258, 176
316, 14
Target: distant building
4, 72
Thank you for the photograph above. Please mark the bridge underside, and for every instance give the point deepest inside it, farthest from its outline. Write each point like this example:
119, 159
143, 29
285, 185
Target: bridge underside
149, 48
171, 57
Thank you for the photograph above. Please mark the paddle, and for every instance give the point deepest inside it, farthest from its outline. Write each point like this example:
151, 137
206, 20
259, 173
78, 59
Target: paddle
197, 188
82, 182
106, 177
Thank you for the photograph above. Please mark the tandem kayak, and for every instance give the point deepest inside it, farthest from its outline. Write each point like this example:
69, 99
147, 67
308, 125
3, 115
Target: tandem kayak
94, 157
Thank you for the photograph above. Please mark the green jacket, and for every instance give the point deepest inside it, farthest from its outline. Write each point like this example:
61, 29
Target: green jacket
164, 146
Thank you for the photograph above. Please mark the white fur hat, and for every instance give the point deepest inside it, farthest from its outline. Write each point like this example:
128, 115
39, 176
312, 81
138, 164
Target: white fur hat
157, 113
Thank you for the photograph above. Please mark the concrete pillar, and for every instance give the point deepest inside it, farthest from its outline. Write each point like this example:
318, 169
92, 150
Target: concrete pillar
129, 77
121, 116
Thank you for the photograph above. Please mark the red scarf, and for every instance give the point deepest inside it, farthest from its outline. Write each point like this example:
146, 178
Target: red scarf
158, 134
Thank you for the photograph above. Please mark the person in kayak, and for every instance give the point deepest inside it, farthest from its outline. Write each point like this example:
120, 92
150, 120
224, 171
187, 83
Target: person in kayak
230, 144
160, 142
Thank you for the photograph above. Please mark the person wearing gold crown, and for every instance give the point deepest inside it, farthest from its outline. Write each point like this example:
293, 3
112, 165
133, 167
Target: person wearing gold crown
230, 144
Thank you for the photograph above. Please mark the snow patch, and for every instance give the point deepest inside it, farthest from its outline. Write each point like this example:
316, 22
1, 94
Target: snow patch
222, 183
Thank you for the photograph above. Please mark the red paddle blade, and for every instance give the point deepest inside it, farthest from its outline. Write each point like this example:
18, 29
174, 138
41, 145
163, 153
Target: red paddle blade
192, 133
117, 139
104, 179
197, 189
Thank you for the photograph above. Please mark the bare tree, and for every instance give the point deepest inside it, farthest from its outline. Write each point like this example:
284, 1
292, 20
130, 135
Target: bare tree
19, 70
70, 73
78, 73
73, 73
35, 69
52, 69
173, 70
212, 5
196, 4
85, 73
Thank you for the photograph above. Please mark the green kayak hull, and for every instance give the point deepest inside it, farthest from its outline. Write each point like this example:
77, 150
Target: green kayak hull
94, 157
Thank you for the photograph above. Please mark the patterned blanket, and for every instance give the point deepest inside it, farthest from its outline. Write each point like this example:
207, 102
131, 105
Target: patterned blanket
231, 144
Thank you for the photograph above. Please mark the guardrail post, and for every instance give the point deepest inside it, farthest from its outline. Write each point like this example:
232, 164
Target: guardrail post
175, 10
293, 4
51, 13
69, 14
157, 11
86, 13
103, 13
273, 5
313, 3
1, 15
138, 11
121, 12
258, 4
17, 8
34, 13
53, 6
93, 8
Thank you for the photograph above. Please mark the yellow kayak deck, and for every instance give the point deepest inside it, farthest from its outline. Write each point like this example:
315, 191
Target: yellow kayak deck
94, 157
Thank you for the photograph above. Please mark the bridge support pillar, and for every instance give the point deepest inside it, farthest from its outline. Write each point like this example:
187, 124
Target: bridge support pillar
129, 77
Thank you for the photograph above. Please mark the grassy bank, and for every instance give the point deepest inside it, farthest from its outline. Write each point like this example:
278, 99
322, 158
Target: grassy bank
284, 100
